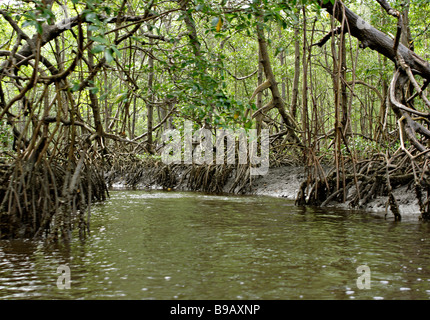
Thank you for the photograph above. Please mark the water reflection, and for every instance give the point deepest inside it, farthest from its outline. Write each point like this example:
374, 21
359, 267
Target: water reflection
165, 245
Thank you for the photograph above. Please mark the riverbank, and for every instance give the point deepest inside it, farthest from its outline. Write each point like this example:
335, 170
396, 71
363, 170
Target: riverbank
281, 182
285, 182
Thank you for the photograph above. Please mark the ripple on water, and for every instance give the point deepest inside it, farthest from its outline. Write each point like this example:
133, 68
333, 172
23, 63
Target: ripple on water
163, 245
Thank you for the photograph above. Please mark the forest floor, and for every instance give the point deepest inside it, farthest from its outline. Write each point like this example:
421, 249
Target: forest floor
285, 182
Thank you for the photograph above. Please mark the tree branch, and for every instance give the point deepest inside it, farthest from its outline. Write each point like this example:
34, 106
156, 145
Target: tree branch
386, 6
377, 40
329, 35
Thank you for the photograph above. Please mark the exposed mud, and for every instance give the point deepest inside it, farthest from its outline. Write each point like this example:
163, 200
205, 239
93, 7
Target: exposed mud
285, 182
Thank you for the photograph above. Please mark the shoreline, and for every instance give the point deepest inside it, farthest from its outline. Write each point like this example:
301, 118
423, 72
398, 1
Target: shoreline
284, 182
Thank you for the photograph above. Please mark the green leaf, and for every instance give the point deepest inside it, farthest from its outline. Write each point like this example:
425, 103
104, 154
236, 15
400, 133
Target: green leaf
39, 28
91, 17
248, 125
27, 23
121, 97
75, 86
108, 10
117, 52
93, 90
93, 27
109, 55
98, 48
100, 40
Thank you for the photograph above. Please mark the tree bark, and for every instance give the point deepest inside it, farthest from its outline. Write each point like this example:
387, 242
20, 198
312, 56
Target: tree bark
277, 99
408, 64
150, 106
375, 39
344, 94
406, 31
260, 116
296, 72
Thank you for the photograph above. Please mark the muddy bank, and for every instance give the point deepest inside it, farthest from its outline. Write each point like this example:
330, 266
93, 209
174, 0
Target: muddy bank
278, 182
285, 182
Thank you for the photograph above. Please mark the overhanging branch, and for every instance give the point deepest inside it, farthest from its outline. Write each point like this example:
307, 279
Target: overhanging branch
375, 39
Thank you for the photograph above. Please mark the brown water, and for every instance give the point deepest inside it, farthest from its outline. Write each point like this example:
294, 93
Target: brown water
165, 245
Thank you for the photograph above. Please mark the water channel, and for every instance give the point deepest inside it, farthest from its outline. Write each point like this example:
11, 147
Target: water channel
184, 245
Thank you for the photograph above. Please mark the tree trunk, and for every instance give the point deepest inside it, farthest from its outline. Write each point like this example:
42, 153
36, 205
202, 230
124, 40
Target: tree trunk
277, 99
406, 38
296, 72
305, 113
150, 106
260, 116
344, 95
93, 97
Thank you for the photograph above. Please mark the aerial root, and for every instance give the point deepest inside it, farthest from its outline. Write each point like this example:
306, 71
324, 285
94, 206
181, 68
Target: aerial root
37, 202
373, 178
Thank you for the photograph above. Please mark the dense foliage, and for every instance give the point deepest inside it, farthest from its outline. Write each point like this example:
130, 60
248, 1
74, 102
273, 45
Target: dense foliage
86, 84
194, 60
